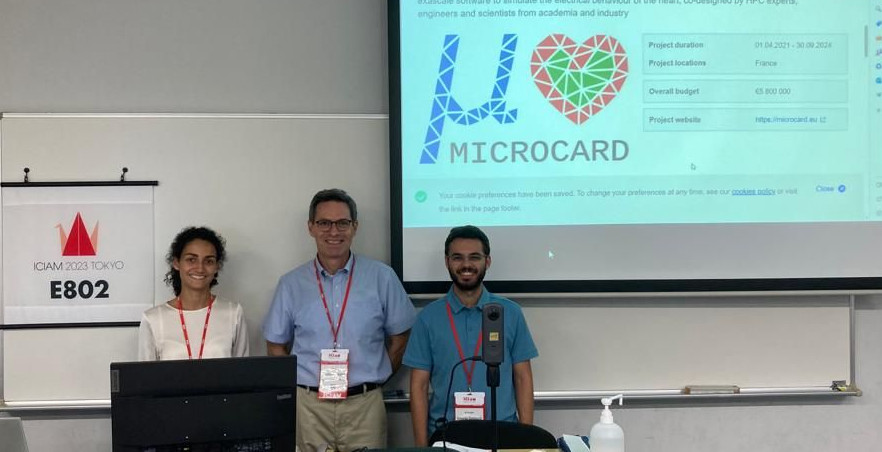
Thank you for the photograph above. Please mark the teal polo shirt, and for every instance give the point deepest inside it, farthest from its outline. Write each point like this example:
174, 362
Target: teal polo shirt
432, 348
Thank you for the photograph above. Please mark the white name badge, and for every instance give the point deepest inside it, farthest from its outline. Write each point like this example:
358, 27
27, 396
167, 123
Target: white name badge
468, 405
334, 374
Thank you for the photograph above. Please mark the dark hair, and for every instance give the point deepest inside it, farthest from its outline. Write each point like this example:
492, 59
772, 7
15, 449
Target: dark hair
467, 232
187, 235
333, 194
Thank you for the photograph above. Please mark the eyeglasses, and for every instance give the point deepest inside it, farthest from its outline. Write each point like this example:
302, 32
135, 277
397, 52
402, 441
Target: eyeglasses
341, 225
473, 258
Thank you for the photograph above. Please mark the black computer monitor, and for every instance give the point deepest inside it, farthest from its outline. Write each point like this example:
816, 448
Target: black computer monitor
210, 404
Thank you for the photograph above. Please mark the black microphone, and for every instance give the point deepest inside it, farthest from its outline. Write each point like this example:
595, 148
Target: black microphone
492, 328
441, 422
494, 354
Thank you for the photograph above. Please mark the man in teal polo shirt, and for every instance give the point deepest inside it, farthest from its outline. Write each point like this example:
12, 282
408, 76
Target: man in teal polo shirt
449, 330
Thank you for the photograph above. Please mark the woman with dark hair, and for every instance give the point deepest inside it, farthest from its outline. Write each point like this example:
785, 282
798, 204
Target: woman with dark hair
195, 324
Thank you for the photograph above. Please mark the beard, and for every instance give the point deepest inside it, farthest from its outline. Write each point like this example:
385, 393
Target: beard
479, 278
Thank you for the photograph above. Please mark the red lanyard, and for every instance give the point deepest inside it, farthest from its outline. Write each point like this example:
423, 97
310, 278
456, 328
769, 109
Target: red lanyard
468, 371
204, 328
335, 331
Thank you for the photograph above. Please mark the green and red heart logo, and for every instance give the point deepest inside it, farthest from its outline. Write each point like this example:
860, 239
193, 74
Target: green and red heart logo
579, 80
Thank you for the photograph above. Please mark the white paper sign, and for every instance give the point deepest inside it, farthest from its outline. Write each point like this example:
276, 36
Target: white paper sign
77, 254
468, 405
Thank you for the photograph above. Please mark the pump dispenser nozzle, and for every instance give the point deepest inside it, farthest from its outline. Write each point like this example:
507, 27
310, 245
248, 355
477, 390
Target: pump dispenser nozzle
607, 401
606, 416
606, 436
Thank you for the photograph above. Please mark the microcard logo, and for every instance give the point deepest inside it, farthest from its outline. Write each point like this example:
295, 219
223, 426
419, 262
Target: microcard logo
445, 106
577, 80
79, 242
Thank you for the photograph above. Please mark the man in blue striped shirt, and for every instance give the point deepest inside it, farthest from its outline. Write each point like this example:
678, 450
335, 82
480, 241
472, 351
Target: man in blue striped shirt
347, 306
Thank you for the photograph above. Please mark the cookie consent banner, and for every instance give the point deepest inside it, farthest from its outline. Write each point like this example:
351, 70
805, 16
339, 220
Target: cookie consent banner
77, 254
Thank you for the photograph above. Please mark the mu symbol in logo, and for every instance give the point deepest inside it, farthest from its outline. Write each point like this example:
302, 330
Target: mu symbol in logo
79, 242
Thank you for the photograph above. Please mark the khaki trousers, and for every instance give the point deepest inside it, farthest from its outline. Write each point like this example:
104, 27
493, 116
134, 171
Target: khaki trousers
341, 425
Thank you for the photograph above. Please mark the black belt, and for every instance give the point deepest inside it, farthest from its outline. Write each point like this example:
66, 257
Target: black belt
352, 391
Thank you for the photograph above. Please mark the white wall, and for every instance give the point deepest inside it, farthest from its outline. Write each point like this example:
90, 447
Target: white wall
329, 56
195, 56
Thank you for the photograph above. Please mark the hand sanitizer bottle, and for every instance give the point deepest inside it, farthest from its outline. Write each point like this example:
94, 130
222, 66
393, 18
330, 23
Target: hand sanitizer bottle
606, 435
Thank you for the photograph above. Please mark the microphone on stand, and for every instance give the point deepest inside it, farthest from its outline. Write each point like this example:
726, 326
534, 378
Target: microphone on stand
493, 347
493, 352
441, 422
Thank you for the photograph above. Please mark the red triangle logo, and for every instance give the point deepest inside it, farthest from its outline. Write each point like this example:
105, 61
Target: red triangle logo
78, 242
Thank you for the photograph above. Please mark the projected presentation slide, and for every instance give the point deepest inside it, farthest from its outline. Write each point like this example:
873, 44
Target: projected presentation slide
570, 113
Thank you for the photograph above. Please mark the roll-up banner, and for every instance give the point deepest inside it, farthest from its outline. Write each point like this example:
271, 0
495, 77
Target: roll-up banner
77, 254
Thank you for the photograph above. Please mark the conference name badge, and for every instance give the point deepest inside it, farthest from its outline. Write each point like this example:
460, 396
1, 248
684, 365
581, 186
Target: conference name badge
468, 405
334, 374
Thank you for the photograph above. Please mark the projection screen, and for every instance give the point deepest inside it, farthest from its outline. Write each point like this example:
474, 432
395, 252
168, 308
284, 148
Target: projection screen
639, 145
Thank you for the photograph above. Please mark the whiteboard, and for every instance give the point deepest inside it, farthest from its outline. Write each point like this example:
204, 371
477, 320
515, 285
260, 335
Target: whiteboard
664, 345
251, 178
63, 364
